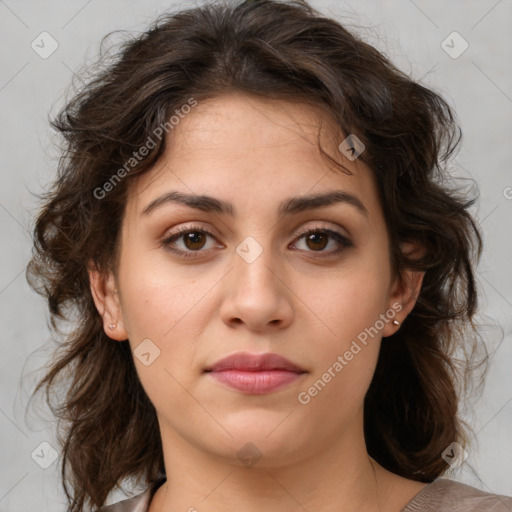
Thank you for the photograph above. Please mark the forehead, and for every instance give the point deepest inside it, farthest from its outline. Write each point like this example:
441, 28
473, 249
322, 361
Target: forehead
244, 148
275, 122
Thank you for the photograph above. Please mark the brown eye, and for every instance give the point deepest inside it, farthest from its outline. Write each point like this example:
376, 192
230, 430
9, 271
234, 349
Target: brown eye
194, 240
189, 242
317, 241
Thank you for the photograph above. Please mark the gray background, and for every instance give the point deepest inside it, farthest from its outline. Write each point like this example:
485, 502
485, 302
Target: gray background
478, 84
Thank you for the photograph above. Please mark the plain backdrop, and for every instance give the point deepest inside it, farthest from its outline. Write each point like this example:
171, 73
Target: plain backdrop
417, 35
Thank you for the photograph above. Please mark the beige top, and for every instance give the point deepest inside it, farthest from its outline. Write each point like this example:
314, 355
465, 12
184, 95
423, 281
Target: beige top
441, 495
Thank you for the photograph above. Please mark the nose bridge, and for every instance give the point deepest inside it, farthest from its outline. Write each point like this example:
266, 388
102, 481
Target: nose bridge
252, 263
254, 293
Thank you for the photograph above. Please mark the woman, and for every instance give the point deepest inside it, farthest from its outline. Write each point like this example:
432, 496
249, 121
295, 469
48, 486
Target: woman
268, 274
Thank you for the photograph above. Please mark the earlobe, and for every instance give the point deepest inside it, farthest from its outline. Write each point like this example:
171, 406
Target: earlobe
106, 299
405, 292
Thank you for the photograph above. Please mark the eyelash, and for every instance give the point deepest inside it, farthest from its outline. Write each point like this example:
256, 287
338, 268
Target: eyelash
180, 231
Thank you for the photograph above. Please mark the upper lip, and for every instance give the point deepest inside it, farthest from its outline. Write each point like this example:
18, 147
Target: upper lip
243, 361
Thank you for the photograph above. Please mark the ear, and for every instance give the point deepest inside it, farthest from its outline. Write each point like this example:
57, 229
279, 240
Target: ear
106, 298
404, 291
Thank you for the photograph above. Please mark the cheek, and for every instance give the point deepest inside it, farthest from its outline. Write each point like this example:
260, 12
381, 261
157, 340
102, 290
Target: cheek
346, 357
170, 309
156, 298
161, 311
348, 305
349, 302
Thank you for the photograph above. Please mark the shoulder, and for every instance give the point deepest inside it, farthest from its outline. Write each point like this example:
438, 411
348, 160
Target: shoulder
138, 503
447, 495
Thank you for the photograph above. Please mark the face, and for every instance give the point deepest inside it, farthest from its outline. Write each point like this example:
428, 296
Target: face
259, 268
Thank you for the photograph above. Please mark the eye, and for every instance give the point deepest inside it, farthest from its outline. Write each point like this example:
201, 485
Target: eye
193, 239
317, 239
188, 241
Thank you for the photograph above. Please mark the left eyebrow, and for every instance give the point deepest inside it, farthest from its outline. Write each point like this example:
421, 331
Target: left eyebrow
303, 203
289, 206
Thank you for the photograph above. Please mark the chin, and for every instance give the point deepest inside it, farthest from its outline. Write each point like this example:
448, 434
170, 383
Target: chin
262, 439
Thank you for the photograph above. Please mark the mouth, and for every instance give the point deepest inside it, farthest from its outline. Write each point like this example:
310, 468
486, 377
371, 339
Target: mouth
255, 373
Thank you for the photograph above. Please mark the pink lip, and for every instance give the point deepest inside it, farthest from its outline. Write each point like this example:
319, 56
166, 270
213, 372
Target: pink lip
255, 373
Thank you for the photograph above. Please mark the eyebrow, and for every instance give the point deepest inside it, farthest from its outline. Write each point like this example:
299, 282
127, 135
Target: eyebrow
290, 206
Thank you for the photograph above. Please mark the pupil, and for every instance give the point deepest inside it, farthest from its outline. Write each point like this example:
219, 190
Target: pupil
314, 237
193, 238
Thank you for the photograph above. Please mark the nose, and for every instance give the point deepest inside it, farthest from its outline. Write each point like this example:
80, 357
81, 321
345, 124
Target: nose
255, 294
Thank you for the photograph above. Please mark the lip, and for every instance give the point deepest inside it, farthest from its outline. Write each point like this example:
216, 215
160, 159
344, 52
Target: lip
255, 373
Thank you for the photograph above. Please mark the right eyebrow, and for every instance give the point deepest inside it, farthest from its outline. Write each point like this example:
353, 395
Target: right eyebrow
199, 202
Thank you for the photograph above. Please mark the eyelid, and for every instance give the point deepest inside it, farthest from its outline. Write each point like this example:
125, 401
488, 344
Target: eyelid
176, 232
344, 240
302, 231
321, 227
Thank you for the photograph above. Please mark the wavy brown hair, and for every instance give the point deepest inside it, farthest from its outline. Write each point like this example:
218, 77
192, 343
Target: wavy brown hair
286, 50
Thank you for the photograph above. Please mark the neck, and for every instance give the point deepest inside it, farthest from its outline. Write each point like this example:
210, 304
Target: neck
339, 472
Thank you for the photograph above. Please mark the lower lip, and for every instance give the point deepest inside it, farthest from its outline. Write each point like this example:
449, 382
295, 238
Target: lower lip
256, 383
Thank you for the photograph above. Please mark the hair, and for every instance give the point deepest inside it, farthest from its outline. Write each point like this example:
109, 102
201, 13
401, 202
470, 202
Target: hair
108, 428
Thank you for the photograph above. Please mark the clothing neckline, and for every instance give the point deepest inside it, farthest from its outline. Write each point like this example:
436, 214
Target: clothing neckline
418, 498
422, 495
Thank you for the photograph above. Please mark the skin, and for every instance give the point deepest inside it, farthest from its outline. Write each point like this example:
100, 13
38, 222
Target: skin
303, 301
